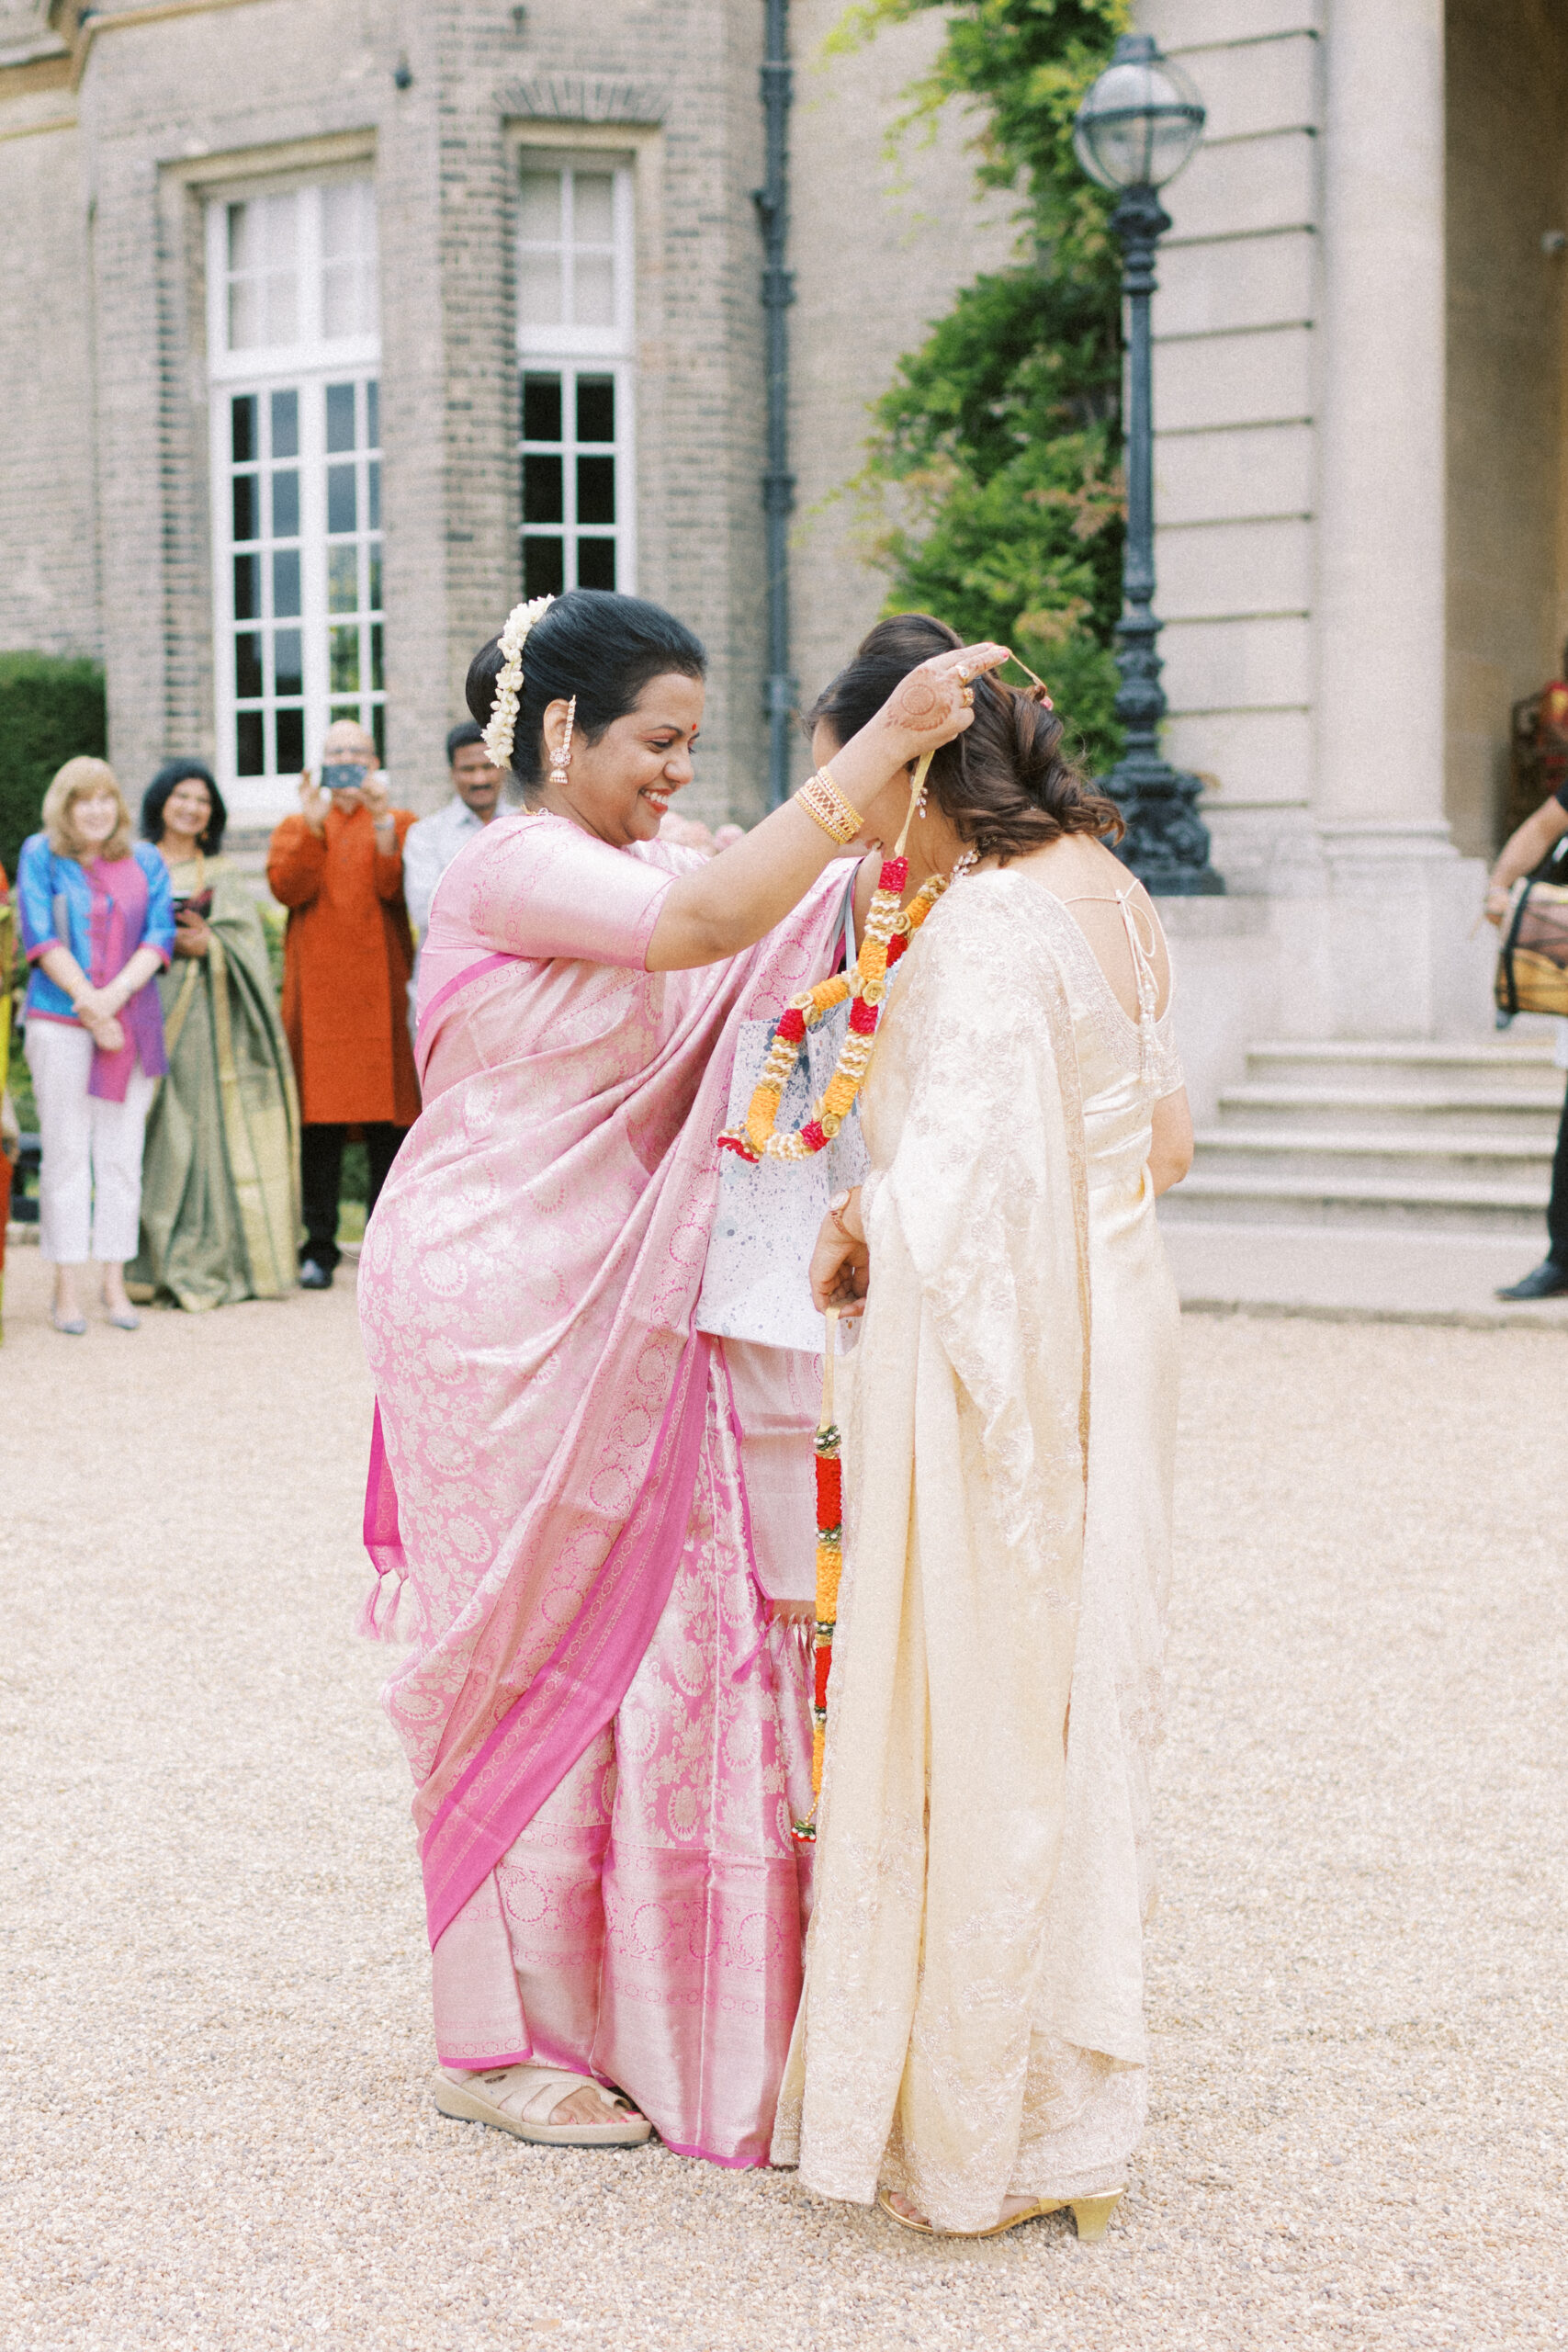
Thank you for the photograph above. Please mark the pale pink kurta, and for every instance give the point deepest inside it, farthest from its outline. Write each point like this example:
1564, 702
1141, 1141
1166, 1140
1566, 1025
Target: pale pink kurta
608, 1732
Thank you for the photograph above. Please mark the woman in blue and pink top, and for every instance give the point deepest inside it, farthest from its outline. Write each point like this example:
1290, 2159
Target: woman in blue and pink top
97, 926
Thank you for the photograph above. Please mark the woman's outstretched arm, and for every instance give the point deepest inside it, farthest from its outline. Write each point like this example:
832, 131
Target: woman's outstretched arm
731, 902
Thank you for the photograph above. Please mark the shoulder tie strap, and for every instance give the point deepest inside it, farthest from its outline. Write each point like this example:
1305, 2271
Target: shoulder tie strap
1145, 978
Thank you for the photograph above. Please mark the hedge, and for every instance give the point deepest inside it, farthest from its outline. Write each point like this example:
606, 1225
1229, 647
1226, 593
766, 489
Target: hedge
50, 710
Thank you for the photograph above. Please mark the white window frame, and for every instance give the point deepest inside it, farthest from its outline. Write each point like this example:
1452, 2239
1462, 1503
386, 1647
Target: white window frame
572, 351
306, 366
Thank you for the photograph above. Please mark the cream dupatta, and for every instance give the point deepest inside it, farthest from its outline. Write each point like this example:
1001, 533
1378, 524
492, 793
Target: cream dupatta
966, 1444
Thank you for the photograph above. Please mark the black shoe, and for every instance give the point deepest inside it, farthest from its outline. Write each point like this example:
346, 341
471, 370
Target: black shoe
314, 1277
1549, 1279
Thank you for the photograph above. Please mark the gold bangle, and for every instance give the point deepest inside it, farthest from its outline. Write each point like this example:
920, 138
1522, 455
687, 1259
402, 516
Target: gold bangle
822, 801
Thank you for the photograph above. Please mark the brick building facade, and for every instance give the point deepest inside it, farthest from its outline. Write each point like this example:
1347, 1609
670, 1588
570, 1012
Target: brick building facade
325, 322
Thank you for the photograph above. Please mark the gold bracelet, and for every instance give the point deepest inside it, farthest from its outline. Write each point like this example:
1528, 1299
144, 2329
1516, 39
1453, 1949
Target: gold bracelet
823, 800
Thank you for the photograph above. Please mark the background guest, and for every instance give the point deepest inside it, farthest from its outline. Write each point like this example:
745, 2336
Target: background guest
97, 923
219, 1177
347, 957
10, 1130
434, 842
690, 832
1524, 850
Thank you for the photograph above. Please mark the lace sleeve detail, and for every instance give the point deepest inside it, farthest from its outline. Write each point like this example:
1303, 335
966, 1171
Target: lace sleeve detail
1164, 1072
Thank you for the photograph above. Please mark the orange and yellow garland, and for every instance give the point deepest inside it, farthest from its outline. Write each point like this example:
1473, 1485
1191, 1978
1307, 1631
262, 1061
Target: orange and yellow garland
830, 1567
888, 930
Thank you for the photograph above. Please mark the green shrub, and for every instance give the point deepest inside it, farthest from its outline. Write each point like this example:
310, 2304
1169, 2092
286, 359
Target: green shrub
52, 708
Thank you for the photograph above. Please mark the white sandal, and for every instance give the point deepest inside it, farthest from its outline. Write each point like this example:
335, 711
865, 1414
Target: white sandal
521, 2099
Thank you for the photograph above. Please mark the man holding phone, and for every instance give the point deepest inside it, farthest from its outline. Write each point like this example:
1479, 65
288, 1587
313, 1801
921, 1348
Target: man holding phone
338, 867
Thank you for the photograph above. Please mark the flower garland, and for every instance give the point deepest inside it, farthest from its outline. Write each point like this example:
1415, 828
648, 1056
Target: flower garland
830, 1567
888, 931
500, 732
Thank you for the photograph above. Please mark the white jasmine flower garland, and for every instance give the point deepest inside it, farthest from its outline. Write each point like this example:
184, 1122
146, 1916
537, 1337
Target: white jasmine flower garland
499, 734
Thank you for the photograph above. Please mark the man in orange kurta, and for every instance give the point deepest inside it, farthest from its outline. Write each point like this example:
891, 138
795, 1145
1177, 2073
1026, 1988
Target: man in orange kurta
338, 867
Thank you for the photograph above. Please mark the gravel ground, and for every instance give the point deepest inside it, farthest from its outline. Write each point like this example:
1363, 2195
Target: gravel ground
215, 2027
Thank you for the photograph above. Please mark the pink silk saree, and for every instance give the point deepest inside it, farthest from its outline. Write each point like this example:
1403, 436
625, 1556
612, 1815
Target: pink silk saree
607, 1732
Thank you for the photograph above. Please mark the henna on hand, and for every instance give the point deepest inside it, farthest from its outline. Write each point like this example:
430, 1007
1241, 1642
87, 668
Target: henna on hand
920, 705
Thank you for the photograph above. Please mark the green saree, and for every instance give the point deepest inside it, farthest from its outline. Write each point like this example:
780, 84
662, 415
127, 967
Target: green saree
219, 1177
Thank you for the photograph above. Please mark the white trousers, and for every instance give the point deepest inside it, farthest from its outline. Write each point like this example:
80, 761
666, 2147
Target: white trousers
90, 1181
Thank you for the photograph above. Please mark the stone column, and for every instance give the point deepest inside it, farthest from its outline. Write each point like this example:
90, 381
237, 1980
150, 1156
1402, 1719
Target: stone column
1381, 457
1380, 605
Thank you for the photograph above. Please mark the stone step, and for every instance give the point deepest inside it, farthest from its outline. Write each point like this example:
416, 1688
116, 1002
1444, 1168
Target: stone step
1474, 1067
1342, 1269
1348, 1154
1345, 1194
1431, 1111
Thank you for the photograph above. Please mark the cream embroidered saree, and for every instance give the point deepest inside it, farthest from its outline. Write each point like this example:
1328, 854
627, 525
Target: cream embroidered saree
972, 2022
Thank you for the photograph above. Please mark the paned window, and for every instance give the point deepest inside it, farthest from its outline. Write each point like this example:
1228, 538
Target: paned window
575, 341
297, 481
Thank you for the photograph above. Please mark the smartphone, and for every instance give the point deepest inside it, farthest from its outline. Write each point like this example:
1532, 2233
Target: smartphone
200, 903
344, 776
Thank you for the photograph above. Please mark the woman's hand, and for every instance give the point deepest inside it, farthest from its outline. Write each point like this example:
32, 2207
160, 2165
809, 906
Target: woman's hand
192, 936
841, 1263
104, 1030
95, 1006
1494, 906
935, 702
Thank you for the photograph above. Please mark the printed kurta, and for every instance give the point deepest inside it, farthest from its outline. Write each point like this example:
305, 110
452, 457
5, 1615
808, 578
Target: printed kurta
346, 960
973, 2024
606, 1732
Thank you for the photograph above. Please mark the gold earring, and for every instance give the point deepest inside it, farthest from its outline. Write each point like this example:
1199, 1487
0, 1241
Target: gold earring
563, 757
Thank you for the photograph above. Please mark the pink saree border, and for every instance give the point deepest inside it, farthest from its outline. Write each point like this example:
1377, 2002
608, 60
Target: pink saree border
708, 2156
381, 1533
465, 978
586, 1676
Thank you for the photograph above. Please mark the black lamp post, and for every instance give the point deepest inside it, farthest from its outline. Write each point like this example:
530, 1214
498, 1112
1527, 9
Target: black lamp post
1135, 130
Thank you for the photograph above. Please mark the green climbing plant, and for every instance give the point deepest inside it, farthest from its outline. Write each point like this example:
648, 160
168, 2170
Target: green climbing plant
993, 491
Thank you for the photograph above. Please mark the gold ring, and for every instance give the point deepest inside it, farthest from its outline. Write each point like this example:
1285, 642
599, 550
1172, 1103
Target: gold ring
964, 676
969, 696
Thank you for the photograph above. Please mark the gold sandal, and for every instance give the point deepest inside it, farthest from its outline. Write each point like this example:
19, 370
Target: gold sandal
1091, 2215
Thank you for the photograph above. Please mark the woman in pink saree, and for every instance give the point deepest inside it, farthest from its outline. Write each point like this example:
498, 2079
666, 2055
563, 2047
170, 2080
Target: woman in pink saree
602, 1515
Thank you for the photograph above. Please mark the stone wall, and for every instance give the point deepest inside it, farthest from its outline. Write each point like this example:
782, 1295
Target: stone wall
1237, 393
105, 498
48, 541
881, 241
173, 109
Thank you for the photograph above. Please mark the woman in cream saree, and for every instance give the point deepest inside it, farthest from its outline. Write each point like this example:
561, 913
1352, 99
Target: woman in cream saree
219, 1177
971, 2042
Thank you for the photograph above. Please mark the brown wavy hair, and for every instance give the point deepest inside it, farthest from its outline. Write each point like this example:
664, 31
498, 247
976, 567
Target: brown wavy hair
1004, 784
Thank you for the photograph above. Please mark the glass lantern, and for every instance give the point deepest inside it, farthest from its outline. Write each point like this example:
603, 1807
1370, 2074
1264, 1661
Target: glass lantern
1142, 120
